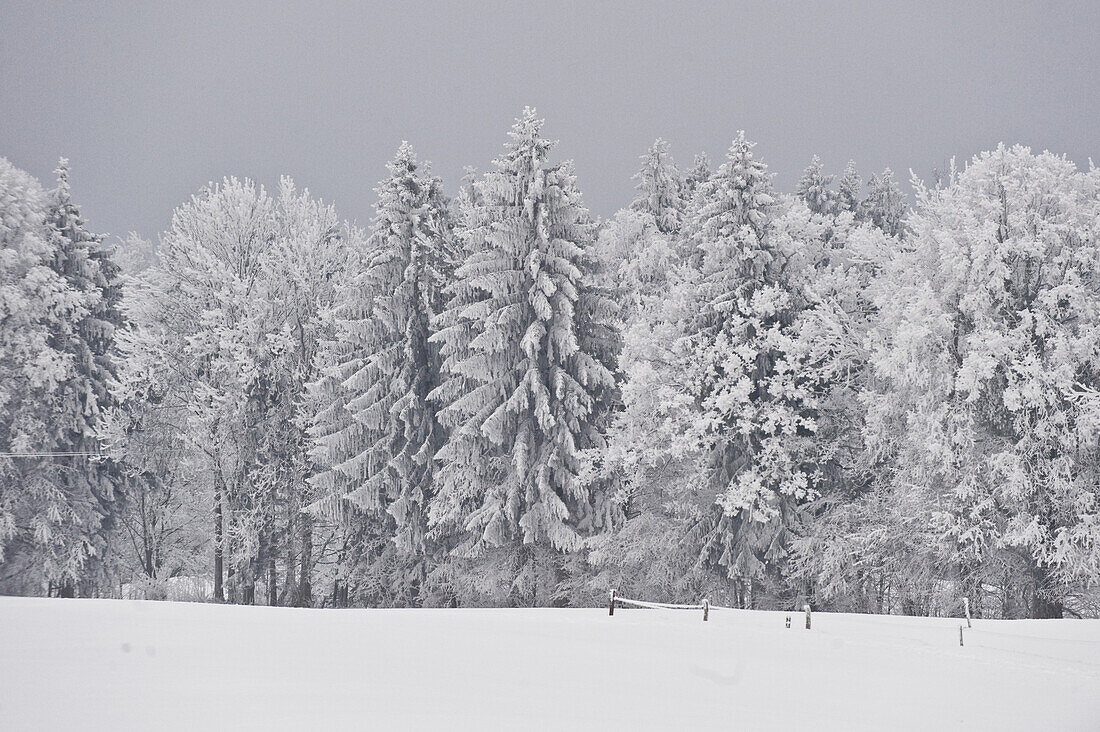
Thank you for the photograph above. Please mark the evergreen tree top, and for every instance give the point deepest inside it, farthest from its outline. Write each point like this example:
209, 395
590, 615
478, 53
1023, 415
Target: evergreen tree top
62, 173
738, 194
526, 144
850, 188
813, 187
660, 187
64, 214
700, 170
410, 184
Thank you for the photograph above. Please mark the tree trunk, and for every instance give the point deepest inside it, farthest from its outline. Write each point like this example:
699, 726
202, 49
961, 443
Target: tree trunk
231, 584
291, 588
305, 589
219, 588
272, 576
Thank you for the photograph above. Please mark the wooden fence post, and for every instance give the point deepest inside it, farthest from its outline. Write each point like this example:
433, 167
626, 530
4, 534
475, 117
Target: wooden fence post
706, 609
807, 608
960, 635
611, 604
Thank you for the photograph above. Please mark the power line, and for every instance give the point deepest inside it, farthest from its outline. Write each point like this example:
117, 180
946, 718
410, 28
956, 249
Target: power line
48, 454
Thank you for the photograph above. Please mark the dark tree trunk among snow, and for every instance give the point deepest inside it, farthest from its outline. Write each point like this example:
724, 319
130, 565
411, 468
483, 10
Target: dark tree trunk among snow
219, 589
291, 582
305, 589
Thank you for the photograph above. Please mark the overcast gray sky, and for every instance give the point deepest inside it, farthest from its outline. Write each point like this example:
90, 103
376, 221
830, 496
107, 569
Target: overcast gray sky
151, 100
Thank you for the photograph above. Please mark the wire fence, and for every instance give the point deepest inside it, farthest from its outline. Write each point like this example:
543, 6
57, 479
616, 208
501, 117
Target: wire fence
976, 630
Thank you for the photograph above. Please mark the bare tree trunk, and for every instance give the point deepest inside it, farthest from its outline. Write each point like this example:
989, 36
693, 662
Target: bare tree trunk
291, 588
272, 579
231, 584
219, 588
305, 589
270, 555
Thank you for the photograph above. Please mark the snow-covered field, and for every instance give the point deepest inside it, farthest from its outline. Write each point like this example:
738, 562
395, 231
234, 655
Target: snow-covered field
116, 664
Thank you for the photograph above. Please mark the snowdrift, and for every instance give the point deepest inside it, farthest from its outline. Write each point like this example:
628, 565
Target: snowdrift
117, 664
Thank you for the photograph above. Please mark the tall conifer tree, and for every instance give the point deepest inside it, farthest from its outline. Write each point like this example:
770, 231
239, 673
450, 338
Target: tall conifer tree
378, 433
525, 346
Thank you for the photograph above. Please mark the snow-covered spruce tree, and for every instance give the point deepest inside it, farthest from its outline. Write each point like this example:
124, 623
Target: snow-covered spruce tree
35, 303
986, 357
660, 188
635, 250
81, 259
700, 171
377, 441
525, 341
813, 188
749, 371
849, 191
59, 311
885, 203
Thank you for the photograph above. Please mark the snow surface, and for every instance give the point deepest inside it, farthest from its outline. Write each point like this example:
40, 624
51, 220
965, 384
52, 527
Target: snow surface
118, 664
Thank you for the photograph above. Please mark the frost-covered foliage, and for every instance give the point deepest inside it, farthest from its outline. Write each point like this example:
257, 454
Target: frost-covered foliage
524, 340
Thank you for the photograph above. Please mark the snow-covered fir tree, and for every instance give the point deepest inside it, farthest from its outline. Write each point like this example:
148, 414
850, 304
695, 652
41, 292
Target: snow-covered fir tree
749, 372
660, 188
377, 438
60, 310
849, 193
35, 303
885, 205
700, 171
651, 463
813, 188
80, 257
523, 339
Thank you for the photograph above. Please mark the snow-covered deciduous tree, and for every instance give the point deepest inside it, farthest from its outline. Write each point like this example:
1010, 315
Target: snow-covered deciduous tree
228, 330
524, 340
984, 350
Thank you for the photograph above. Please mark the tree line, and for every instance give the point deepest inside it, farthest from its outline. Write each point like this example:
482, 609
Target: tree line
843, 396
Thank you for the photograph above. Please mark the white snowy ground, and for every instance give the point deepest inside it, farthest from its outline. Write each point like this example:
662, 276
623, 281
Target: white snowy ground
122, 664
